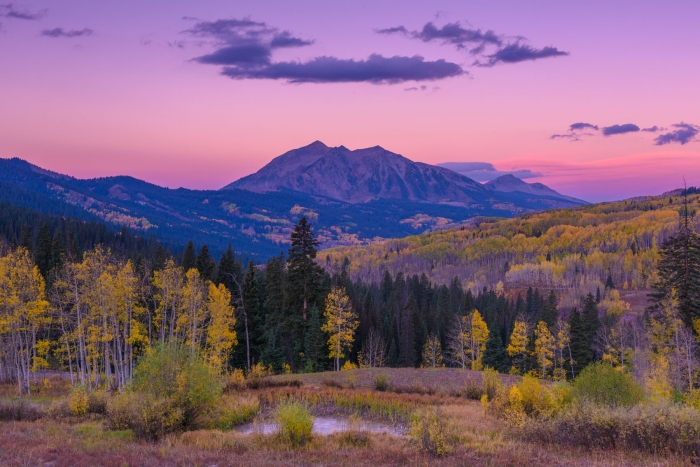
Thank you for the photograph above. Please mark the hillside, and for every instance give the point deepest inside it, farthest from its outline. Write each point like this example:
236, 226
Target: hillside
258, 224
573, 250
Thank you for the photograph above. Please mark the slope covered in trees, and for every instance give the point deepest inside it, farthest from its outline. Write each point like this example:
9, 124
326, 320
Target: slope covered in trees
572, 250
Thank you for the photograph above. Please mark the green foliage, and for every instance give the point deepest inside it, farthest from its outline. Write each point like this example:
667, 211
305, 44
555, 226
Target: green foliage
172, 372
148, 416
495, 355
231, 411
295, 422
602, 384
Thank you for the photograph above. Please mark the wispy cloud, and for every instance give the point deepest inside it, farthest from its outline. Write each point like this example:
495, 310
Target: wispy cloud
10, 10
490, 48
60, 32
244, 48
685, 133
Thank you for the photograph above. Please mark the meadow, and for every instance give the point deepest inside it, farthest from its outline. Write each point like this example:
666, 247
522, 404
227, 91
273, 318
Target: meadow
445, 417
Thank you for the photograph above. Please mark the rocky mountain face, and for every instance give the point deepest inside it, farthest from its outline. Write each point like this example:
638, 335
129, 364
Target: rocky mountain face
374, 173
362, 175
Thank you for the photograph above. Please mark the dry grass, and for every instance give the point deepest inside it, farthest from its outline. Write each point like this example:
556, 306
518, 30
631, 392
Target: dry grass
474, 437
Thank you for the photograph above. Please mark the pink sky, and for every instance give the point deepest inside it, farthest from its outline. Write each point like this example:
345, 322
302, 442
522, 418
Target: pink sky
127, 99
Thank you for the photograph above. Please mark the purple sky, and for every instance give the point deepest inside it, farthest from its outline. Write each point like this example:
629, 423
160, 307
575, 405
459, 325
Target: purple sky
166, 92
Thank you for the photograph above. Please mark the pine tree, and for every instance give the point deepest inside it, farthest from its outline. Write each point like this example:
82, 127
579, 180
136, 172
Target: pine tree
304, 276
272, 354
407, 349
251, 309
58, 250
314, 343
229, 272
205, 264
609, 284
579, 344
495, 355
679, 270
189, 257
590, 320
42, 254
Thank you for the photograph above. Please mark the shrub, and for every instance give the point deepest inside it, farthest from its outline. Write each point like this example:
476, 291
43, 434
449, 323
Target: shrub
19, 410
295, 422
381, 382
602, 384
429, 431
348, 365
173, 376
472, 390
97, 402
490, 383
235, 380
148, 416
654, 428
78, 401
530, 399
231, 411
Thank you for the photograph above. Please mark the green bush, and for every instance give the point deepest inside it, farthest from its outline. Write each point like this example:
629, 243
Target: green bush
295, 422
381, 382
602, 384
173, 373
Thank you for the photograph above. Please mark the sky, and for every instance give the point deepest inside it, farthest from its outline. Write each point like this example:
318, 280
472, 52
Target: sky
596, 99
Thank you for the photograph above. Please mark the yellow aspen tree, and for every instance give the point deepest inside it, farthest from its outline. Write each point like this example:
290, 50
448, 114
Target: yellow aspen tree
193, 311
544, 347
168, 283
432, 353
563, 348
517, 345
341, 323
221, 334
478, 335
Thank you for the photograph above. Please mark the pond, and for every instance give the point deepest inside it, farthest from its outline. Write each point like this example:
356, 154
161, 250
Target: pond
326, 426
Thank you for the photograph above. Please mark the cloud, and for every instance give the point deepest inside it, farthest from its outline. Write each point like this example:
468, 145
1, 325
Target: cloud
244, 48
492, 48
582, 126
517, 52
485, 171
8, 10
376, 70
60, 32
653, 129
620, 129
685, 133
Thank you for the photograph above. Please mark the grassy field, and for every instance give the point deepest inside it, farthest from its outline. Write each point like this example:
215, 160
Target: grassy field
474, 437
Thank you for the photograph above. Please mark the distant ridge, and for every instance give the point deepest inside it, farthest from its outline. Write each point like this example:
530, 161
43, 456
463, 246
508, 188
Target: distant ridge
509, 184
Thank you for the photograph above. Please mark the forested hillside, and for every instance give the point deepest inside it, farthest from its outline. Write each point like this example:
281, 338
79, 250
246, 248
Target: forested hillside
570, 250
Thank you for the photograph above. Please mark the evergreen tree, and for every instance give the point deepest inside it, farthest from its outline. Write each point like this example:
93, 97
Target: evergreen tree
229, 272
58, 250
609, 284
189, 257
393, 355
272, 354
42, 254
407, 340
304, 276
590, 319
580, 345
251, 307
495, 355
314, 343
204, 264
679, 270
598, 298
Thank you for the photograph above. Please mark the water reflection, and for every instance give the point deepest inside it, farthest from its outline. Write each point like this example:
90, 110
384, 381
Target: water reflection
326, 426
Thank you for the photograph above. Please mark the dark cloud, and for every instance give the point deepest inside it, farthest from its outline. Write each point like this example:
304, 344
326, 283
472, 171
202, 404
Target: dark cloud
238, 54
60, 32
582, 126
245, 48
685, 133
517, 52
491, 47
8, 10
376, 69
285, 39
620, 129
653, 129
